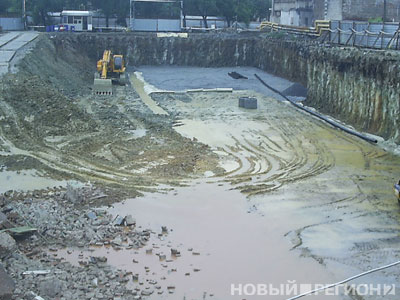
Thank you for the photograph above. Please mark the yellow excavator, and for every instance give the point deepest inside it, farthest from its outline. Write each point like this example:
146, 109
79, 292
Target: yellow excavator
109, 70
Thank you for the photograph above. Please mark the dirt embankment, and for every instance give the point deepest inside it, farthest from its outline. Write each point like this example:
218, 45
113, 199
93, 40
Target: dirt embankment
50, 118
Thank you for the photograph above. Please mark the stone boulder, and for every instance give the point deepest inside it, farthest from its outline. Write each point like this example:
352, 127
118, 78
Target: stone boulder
7, 285
51, 287
7, 245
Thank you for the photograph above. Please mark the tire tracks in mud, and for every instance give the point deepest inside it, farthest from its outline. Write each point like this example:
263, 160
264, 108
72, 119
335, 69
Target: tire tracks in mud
107, 154
269, 164
50, 156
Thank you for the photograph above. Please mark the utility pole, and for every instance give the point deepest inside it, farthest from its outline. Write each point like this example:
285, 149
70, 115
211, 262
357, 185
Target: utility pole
236, 17
384, 11
24, 12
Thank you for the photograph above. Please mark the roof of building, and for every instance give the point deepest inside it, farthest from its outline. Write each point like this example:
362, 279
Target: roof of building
83, 13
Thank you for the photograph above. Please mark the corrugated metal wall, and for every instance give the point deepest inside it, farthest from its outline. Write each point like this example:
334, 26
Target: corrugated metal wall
11, 23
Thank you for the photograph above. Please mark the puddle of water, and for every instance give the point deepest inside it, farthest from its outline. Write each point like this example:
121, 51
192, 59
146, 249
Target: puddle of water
221, 132
27, 180
138, 133
234, 246
229, 165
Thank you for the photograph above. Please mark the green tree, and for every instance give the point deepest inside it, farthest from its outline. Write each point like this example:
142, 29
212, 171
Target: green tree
121, 11
5, 5
15, 6
107, 7
261, 9
244, 11
227, 9
204, 8
40, 9
76, 4
188, 9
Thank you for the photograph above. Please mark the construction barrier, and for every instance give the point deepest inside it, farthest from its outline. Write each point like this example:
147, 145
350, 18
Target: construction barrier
347, 33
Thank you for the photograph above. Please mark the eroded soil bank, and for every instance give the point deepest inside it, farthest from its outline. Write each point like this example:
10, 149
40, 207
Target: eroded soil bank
243, 196
358, 86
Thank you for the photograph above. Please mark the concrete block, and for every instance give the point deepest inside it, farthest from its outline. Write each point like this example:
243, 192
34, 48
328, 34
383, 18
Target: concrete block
248, 102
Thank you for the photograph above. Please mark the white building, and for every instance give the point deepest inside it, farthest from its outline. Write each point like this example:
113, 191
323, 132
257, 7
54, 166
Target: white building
81, 20
293, 12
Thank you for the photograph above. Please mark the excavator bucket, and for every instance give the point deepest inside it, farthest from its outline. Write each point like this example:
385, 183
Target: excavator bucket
102, 86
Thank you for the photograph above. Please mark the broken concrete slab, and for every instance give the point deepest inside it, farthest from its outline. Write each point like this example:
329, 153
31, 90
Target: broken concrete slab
51, 287
248, 102
6, 38
7, 245
91, 215
4, 223
129, 220
6, 56
19, 232
7, 285
20, 41
73, 194
119, 221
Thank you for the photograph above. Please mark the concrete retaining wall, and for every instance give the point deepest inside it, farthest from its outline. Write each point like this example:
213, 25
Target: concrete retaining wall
360, 87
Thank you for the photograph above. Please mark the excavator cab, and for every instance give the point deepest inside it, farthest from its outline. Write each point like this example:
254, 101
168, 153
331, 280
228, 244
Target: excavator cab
109, 70
119, 63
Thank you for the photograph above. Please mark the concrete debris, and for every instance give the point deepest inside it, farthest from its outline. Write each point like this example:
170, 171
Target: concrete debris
38, 272
4, 223
130, 221
7, 285
51, 287
248, 102
73, 195
91, 215
175, 252
236, 75
32, 296
7, 245
119, 221
22, 231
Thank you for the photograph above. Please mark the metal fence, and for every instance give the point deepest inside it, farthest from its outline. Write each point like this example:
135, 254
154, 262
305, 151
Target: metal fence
11, 23
364, 34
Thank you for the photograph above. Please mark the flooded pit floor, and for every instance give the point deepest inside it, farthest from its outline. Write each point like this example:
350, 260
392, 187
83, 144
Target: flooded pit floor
220, 240
319, 207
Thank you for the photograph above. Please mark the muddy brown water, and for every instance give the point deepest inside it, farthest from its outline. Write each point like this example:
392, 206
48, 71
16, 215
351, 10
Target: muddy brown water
300, 201
221, 241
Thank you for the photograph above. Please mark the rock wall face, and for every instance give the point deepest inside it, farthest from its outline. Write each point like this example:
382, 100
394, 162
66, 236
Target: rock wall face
148, 49
360, 87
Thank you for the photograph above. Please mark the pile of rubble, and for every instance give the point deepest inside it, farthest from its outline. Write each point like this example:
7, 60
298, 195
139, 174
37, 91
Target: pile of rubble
31, 228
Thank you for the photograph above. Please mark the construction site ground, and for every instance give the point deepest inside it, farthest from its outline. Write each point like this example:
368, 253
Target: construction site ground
220, 195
